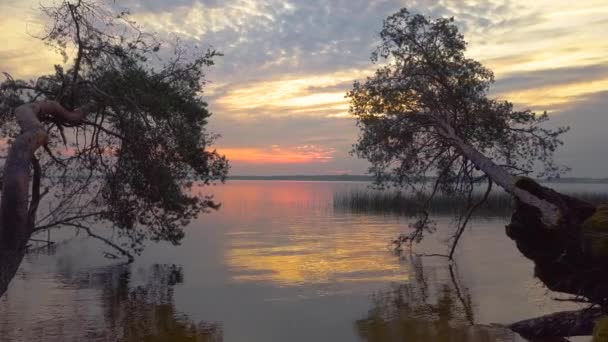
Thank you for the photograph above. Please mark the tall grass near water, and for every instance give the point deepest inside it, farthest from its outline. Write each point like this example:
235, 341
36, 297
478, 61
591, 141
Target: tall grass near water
499, 203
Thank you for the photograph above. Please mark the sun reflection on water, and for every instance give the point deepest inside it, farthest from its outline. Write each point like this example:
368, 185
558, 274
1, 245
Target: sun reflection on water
313, 260
295, 247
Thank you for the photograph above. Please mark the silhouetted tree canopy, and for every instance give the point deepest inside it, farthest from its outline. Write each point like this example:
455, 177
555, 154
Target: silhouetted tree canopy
134, 160
427, 108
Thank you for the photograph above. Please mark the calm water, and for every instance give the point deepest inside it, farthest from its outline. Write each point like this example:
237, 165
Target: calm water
277, 263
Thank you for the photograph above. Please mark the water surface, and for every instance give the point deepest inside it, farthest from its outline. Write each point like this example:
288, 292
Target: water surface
277, 262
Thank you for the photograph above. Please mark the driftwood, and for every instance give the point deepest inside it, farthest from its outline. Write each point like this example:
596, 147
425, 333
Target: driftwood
16, 217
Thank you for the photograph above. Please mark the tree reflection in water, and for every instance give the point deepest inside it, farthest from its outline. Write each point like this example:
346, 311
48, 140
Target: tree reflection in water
147, 313
114, 303
426, 310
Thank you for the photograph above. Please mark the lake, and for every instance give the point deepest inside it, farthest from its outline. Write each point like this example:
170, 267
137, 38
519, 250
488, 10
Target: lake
278, 262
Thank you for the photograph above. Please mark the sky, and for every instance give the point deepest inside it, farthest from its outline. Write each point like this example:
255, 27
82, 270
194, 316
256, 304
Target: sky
278, 93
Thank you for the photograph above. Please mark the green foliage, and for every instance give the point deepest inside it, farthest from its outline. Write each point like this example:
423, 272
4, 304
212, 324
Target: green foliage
598, 222
595, 232
143, 147
600, 330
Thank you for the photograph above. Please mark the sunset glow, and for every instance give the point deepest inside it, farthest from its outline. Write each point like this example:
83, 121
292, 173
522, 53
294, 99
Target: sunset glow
303, 170
287, 66
553, 97
356, 257
303, 253
307, 95
278, 155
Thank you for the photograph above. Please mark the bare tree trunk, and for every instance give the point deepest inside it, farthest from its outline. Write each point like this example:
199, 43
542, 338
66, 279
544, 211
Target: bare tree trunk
550, 213
16, 225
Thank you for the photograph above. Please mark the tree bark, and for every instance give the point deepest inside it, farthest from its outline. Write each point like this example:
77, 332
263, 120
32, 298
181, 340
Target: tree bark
561, 262
16, 226
550, 213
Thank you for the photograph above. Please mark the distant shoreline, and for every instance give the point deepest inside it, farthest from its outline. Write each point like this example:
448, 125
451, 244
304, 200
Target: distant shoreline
335, 178
366, 178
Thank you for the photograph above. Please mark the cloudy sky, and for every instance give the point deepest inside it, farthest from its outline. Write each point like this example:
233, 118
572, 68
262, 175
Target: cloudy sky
278, 93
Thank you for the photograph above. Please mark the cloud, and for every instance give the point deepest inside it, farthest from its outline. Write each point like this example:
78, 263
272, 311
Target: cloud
277, 154
288, 64
550, 35
22, 55
331, 137
552, 89
319, 95
195, 20
270, 38
285, 131
541, 78
584, 147
558, 96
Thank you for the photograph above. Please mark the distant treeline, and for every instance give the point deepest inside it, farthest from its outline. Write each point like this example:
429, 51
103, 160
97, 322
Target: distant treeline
576, 180
367, 178
399, 203
347, 178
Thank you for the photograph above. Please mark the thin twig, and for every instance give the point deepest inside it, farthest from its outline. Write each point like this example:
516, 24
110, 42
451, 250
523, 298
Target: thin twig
43, 241
106, 241
468, 217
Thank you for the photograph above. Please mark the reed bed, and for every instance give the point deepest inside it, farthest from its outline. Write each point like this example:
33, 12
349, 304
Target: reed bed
407, 204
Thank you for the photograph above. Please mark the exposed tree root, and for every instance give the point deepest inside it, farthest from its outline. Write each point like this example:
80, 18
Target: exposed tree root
558, 325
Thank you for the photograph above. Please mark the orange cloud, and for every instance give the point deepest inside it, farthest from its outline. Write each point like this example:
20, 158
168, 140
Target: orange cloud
21, 54
312, 95
554, 96
276, 154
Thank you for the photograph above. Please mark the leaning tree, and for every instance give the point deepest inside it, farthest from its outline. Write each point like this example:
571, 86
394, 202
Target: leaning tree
428, 123
426, 114
115, 138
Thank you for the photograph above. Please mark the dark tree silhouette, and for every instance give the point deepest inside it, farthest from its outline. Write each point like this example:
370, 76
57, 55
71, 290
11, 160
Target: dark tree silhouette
123, 131
426, 114
426, 117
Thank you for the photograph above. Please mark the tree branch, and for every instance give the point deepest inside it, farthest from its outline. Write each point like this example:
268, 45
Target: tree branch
103, 129
122, 251
16, 227
66, 221
78, 60
463, 224
550, 212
